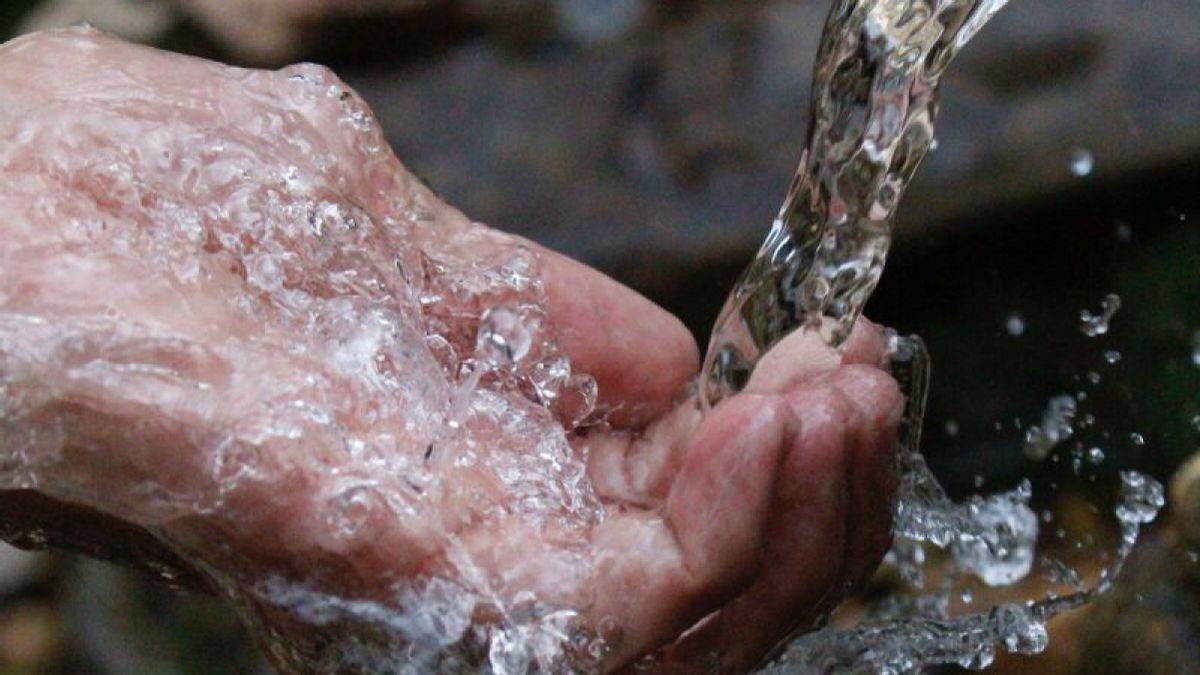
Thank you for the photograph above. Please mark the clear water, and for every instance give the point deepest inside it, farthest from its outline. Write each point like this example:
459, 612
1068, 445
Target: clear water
875, 92
874, 102
365, 297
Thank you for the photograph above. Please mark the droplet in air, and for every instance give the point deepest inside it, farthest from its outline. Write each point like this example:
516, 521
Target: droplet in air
1137, 439
1096, 455
1140, 498
1123, 232
1015, 325
1054, 429
1196, 349
1112, 356
951, 428
1082, 162
1097, 324
1196, 422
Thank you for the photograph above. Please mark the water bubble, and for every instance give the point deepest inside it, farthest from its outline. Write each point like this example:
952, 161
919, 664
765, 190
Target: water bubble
1093, 377
1054, 429
1196, 422
967, 596
1097, 324
1123, 232
1137, 439
1015, 325
1196, 349
1082, 162
1112, 357
1096, 455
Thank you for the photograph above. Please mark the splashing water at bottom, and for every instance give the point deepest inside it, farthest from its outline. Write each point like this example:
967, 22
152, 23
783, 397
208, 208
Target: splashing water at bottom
992, 538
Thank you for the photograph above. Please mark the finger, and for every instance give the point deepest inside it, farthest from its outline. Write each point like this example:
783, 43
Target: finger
641, 356
867, 344
873, 473
637, 467
658, 574
820, 543
803, 551
803, 355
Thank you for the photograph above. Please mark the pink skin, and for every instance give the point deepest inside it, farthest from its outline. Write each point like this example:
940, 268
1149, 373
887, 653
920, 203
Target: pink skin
136, 341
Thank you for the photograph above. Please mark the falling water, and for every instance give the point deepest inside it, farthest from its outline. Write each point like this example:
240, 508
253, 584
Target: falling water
874, 101
875, 94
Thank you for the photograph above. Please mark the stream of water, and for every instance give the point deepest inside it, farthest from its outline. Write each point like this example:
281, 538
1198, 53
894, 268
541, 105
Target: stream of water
874, 103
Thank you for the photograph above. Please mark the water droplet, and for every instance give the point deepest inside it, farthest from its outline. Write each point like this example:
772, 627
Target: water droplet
1096, 455
1112, 356
1054, 429
1123, 232
1082, 162
504, 337
967, 596
951, 428
1137, 439
1097, 324
353, 508
1140, 498
1196, 349
1015, 325
1196, 422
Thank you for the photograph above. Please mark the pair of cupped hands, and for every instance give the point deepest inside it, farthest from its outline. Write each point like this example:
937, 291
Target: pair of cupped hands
156, 297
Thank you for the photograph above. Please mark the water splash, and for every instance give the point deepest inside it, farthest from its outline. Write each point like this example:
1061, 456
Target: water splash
874, 102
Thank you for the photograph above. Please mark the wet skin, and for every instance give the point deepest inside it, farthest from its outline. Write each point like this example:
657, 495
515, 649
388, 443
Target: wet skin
741, 525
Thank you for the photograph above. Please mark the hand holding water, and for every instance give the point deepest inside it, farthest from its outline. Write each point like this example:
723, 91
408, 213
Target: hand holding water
237, 333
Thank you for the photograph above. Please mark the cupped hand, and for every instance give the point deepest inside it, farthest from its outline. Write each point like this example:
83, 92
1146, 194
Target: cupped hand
239, 335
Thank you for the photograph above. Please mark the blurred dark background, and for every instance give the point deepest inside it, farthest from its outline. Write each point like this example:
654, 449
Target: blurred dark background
655, 141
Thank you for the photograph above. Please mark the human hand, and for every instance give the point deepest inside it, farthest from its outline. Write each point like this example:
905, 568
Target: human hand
233, 325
